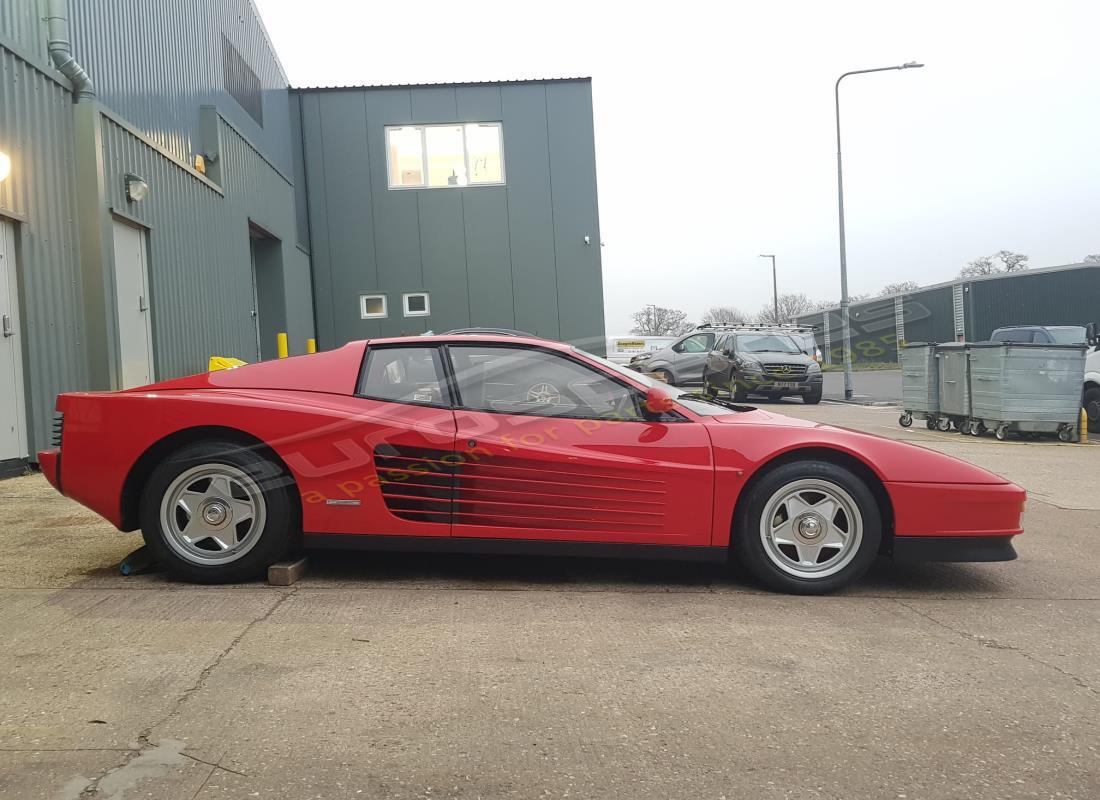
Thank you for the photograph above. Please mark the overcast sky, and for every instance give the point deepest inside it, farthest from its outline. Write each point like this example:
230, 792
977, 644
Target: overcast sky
715, 136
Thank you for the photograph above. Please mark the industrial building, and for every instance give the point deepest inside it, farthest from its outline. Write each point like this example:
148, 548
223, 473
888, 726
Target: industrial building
165, 196
965, 309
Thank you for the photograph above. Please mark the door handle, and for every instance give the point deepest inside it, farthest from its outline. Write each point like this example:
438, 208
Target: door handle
142, 305
7, 327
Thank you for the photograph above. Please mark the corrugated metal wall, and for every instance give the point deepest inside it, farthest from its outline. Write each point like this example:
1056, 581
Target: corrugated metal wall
36, 132
199, 260
1066, 297
928, 316
22, 23
509, 256
155, 63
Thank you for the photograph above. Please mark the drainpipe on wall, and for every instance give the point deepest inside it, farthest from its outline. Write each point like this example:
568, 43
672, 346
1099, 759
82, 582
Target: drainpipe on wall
61, 49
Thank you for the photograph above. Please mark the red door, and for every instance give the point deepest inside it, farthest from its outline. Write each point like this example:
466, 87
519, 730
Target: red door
577, 467
386, 466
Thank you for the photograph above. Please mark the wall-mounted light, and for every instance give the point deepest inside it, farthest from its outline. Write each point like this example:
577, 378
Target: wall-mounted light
200, 164
5, 165
136, 188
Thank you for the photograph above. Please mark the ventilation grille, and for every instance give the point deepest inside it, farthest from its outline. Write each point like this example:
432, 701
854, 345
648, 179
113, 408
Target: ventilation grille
442, 486
241, 82
58, 428
417, 483
506, 491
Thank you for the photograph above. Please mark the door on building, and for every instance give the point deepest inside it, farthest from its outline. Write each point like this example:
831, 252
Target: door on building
135, 330
268, 298
13, 428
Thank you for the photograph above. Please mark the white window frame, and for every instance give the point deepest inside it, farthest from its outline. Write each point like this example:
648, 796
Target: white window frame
364, 314
424, 155
427, 304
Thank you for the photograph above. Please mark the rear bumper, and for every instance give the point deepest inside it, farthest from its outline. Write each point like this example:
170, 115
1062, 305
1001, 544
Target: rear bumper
954, 548
49, 461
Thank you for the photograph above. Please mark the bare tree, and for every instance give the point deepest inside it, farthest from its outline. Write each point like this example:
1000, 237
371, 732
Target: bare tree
979, 266
724, 315
1013, 261
899, 288
1092, 258
659, 321
791, 307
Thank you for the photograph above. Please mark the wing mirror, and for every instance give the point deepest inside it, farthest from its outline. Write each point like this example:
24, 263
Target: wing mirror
657, 403
1092, 334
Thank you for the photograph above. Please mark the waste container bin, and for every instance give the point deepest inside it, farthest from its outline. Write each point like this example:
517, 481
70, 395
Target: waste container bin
920, 387
1026, 387
954, 385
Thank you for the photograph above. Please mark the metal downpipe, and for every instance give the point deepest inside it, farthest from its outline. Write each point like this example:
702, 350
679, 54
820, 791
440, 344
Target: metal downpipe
60, 47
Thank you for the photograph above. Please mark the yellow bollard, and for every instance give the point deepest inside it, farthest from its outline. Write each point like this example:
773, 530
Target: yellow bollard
311, 345
281, 339
1083, 427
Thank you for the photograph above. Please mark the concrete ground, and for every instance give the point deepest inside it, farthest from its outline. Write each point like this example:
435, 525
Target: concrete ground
402, 676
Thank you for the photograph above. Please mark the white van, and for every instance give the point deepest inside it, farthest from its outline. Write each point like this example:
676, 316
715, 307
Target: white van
621, 349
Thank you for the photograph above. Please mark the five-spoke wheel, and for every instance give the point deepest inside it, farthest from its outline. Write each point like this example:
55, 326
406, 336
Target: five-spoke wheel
218, 511
807, 527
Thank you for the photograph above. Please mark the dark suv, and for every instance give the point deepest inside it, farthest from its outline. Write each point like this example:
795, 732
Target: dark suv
761, 363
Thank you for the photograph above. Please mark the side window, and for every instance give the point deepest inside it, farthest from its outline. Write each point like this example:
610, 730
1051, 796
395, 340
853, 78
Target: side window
404, 375
517, 380
699, 343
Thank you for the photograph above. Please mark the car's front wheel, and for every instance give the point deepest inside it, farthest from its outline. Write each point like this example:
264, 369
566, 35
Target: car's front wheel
808, 527
1092, 408
218, 512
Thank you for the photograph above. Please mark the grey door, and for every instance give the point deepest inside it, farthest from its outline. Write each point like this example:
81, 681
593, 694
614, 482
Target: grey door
691, 357
135, 333
13, 430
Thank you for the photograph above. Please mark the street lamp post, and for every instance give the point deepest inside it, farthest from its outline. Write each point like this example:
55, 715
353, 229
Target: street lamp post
775, 286
845, 320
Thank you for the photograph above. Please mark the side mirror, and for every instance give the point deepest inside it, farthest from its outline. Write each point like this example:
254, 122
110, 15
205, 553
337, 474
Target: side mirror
1092, 334
657, 403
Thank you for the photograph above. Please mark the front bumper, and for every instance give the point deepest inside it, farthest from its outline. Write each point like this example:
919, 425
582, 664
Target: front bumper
755, 382
49, 461
953, 548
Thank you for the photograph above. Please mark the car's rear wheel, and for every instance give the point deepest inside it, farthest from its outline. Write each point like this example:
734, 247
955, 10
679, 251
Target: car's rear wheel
217, 512
808, 527
1092, 408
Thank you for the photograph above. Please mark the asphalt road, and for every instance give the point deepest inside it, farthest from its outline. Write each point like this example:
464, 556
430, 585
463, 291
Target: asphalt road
877, 385
403, 676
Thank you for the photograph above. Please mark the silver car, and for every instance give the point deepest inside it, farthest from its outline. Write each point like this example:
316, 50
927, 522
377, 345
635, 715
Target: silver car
682, 362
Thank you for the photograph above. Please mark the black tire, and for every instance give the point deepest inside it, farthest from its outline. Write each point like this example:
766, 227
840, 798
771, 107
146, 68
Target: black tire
747, 541
1092, 408
738, 393
905, 420
279, 534
812, 398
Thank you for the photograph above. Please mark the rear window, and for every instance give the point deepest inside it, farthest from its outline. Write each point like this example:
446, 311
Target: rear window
1017, 335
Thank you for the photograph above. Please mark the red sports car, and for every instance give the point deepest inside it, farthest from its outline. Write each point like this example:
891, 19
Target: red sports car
506, 444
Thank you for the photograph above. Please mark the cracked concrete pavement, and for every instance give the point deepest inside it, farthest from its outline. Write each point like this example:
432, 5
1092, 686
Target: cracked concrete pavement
412, 676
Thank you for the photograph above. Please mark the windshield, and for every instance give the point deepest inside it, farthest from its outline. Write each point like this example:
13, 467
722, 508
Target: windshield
1070, 334
766, 343
694, 402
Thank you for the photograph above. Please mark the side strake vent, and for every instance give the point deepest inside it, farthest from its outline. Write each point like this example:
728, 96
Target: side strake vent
443, 486
417, 483
58, 428
515, 492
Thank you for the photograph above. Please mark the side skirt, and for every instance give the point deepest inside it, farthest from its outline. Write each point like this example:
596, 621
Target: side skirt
510, 547
953, 548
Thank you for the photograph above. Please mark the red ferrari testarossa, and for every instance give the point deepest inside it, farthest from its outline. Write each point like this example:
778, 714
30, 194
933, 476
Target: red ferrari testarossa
506, 444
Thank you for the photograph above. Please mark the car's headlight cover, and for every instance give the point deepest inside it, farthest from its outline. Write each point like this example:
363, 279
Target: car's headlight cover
751, 365
813, 367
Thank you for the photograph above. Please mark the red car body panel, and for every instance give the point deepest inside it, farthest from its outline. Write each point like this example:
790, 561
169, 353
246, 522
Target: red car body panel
365, 466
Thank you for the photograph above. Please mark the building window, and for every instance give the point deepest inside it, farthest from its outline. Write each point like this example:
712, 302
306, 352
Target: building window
416, 304
438, 156
372, 306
